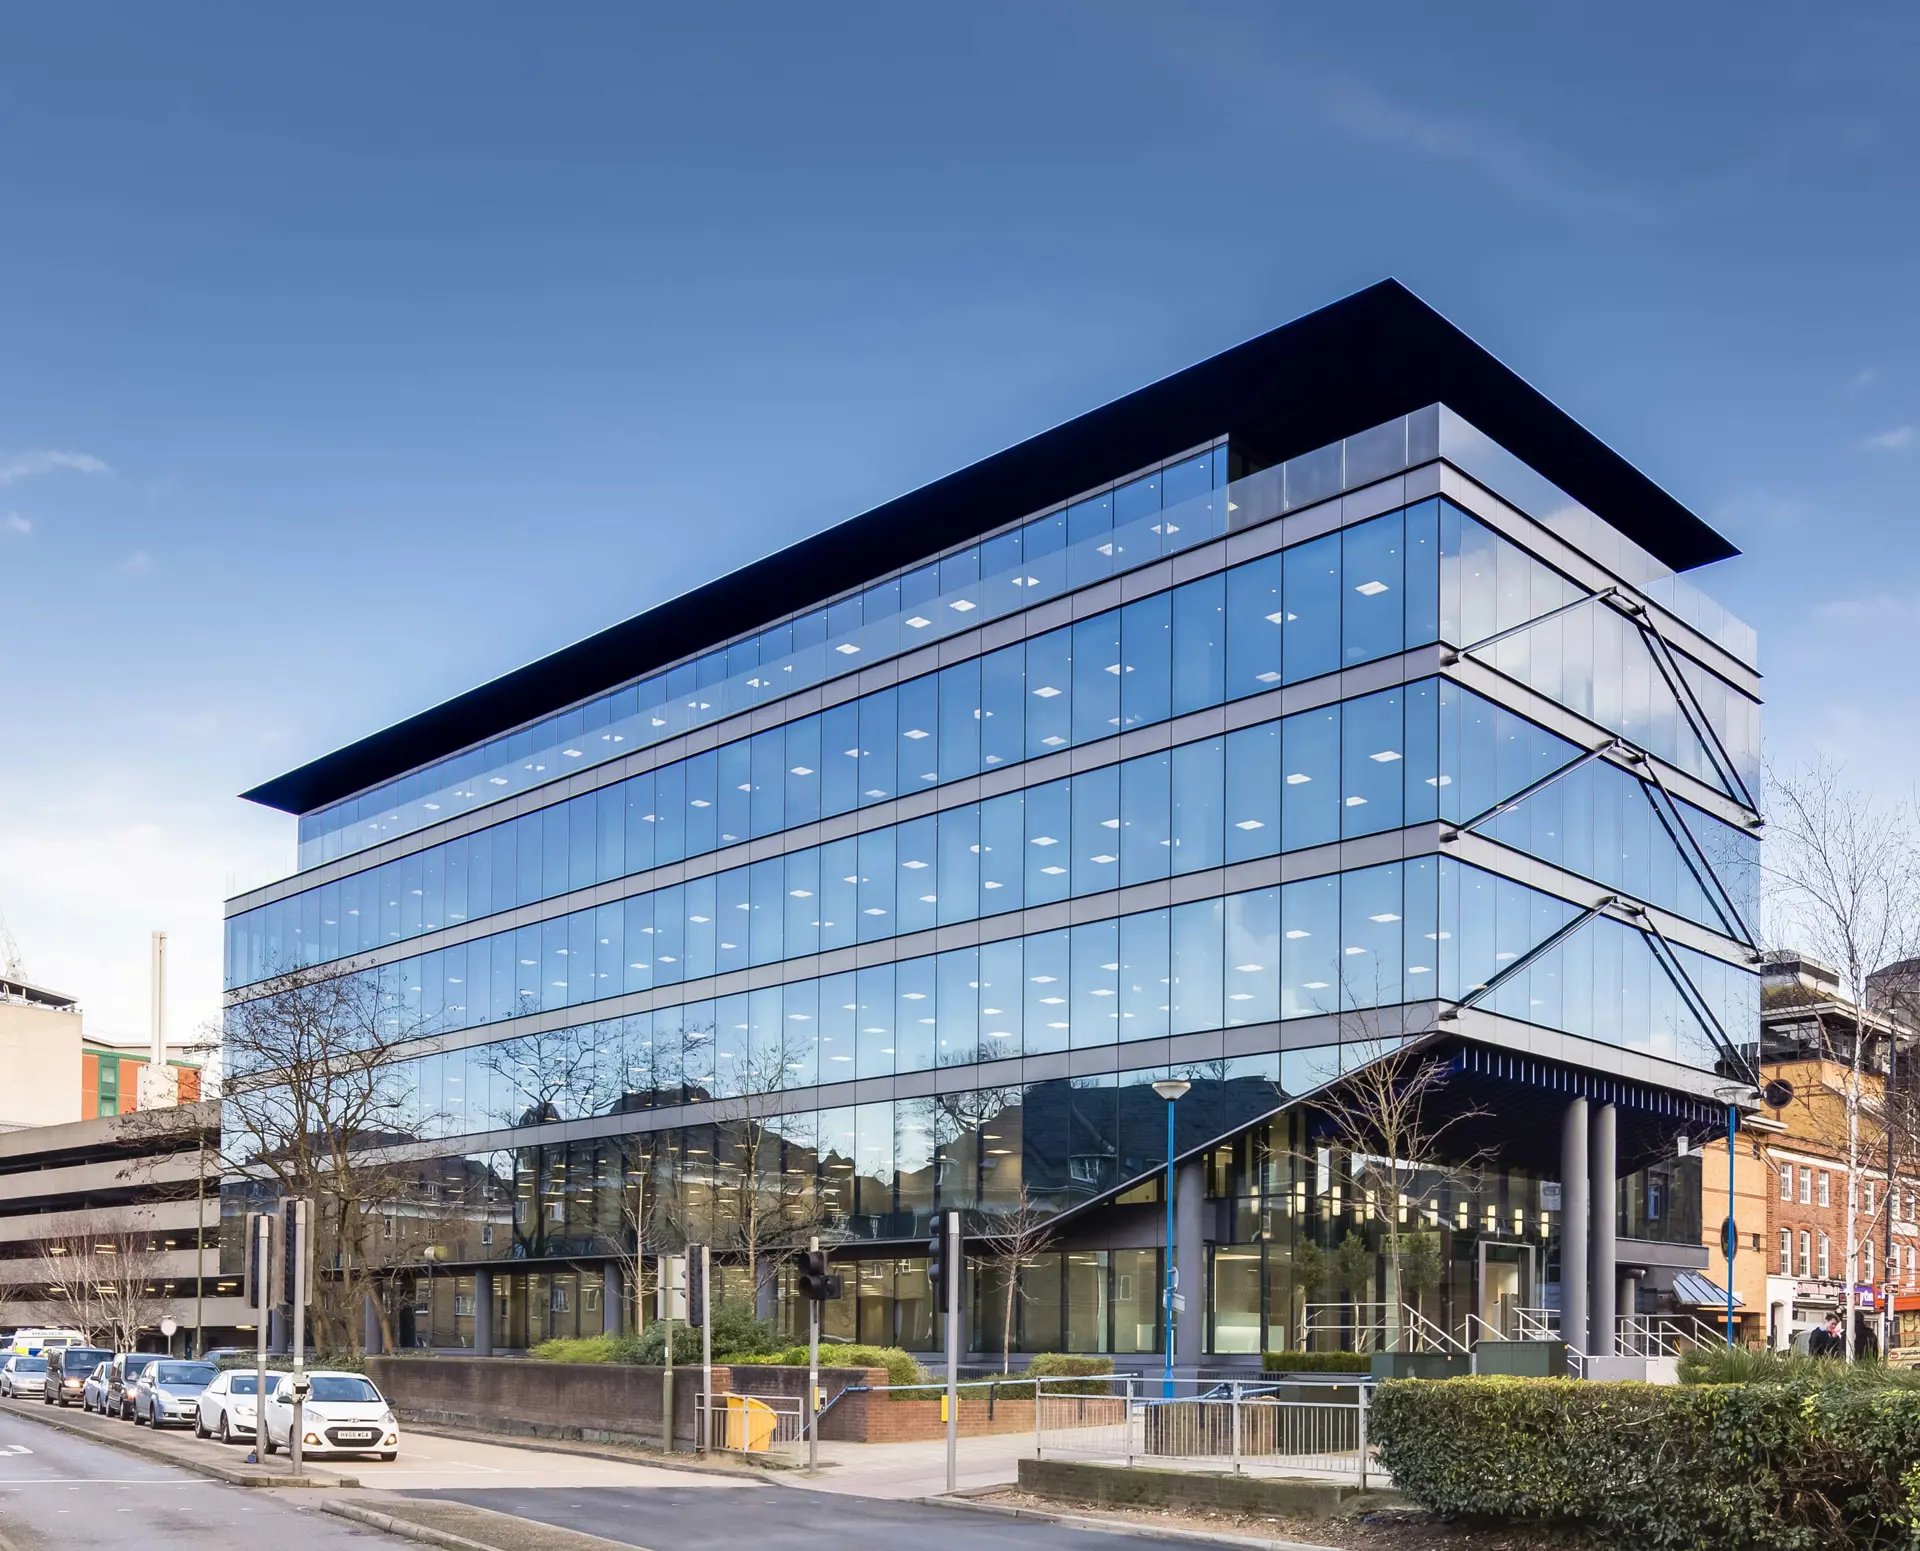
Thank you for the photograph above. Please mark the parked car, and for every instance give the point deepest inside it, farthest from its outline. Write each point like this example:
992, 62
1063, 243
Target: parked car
23, 1376
345, 1413
67, 1370
120, 1381
225, 1409
93, 1394
167, 1392
221, 1354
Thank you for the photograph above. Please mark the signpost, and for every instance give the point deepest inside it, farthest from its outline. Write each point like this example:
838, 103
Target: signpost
259, 1274
296, 1239
670, 1299
700, 1311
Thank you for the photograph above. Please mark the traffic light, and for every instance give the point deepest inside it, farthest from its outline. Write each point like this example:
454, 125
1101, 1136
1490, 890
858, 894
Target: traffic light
817, 1284
260, 1257
938, 1249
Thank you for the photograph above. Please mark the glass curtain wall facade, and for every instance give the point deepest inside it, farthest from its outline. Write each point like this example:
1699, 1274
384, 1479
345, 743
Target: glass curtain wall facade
1246, 778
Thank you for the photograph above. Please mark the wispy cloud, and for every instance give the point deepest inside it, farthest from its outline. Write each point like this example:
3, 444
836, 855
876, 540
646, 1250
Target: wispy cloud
1515, 165
15, 523
24, 465
1900, 437
136, 563
1866, 377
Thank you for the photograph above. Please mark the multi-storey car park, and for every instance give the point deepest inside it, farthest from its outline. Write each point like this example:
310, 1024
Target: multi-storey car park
1335, 697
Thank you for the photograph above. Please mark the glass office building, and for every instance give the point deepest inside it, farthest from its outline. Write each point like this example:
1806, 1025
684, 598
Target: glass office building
1335, 701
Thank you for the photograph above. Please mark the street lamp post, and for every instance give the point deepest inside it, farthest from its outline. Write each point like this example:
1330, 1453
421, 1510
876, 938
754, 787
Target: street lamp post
1731, 1095
1171, 1089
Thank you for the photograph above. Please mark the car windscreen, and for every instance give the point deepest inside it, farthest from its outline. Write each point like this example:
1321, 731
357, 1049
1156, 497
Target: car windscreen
244, 1384
183, 1375
82, 1359
345, 1389
29, 1365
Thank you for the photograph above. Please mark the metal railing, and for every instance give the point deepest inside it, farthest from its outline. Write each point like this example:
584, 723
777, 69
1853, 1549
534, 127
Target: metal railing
1314, 1427
1346, 1327
752, 1424
1420, 1334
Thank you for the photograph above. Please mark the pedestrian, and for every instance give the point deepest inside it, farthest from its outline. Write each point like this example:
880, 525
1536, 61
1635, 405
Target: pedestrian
1825, 1340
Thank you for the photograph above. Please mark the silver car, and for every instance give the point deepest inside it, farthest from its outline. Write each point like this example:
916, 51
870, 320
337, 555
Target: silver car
23, 1376
168, 1392
93, 1395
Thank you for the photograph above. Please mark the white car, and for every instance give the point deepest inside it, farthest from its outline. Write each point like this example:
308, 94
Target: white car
345, 1413
226, 1405
23, 1376
93, 1396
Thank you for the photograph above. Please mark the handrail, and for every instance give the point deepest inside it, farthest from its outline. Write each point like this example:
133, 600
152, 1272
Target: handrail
1434, 1336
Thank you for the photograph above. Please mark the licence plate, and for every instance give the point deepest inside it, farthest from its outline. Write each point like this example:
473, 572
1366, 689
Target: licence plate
356, 1437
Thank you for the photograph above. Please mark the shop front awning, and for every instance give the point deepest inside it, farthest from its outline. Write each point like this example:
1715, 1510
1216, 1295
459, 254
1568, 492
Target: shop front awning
1690, 1287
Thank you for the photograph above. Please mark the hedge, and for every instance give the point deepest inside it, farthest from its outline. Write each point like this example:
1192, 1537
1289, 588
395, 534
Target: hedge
903, 1368
1316, 1362
1788, 1466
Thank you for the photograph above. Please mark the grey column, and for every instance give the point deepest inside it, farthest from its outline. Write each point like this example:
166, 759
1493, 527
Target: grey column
369, 1325
483, 1314
1190, 1255
613, 1299
1575, 1225
1601, 1183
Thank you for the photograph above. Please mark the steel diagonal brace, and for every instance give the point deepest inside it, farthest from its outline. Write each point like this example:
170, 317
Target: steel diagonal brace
1508, 803
1605, 594
1683, 983
1546, 944
1704, 874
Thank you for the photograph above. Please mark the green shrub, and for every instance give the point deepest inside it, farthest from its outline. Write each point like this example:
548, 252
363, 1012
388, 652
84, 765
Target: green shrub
582, 1349
903, 1368
1316, 1362
1788, 1466
1739, 1365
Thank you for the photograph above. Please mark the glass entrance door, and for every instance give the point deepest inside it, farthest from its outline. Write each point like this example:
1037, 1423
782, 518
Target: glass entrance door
1506, 1285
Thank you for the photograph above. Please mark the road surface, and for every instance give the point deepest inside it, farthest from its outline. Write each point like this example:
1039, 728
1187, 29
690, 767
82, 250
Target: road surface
61, 1493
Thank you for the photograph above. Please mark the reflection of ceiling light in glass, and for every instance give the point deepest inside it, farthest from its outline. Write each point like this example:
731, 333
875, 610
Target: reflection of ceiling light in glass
1352, 951
1249, 824
1249, 969
1371, 589
919, 623
1297, 933
913, 866
1046, 691
1053, 872
1356, 802
1053, 742
1103, 860
1439, 780
847, 648
802, 770
1298, 779
1045, 840
962, 605
1385, 756
1316, 985
915, 733
1384, 916
1268, 678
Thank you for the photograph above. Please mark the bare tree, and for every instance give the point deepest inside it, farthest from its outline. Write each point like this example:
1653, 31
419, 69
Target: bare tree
312, 1107
769, 1205
1844, 883
1020, 1236
103, 1274
1401, 1140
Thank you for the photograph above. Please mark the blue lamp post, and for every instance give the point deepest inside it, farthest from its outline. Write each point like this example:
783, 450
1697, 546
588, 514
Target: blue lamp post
1171, 1089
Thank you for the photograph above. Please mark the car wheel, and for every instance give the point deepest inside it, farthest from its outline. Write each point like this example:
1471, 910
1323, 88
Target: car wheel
226, 1435
200, 1425
268, 1444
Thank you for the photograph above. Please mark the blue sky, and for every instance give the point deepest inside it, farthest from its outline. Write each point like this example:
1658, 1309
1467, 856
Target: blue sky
352, 354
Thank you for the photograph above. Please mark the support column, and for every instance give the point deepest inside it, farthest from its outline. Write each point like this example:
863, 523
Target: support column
1190, 1255
1601, 1184
1575, 1225
483, 1314
369, 1325
613, 1298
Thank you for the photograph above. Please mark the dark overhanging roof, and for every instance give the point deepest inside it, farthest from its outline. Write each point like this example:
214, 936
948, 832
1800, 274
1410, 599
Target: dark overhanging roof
1377, 354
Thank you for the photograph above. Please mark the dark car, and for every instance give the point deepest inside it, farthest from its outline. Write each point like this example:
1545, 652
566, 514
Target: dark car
67, 1370
121, 1378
